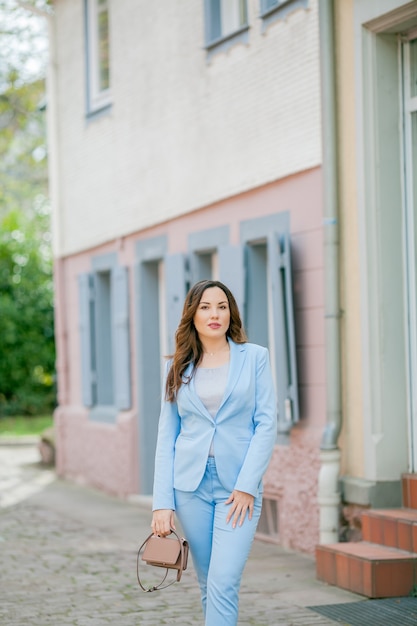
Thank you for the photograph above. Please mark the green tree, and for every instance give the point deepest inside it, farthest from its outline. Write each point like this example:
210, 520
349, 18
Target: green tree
26, 308
26, 292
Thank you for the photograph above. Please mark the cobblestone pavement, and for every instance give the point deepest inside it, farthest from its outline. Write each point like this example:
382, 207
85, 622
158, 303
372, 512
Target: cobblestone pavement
68, 556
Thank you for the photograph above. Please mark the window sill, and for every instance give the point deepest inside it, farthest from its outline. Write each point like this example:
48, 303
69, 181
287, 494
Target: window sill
272, 10
99, 111
224, 43
280, 11
103, 414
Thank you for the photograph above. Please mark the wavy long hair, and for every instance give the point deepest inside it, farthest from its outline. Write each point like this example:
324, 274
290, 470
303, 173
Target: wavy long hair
188, 347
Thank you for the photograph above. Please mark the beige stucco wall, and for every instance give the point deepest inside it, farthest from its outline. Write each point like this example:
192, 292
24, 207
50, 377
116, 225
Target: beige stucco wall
352, 431
374, 436
183, 132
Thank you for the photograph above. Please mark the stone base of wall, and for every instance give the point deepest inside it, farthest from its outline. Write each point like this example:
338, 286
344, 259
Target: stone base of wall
351, 522
292, 479
360, 495
98, 454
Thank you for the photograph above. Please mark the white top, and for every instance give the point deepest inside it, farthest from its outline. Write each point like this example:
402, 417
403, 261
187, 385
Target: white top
210, 385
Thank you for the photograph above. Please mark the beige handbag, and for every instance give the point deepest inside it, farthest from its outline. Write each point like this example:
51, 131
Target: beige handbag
163, 552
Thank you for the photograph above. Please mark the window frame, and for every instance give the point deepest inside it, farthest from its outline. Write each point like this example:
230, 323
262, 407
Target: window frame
151, 294
103, 339
223, 41
409, 156
106, 285
97, 99
273, 234
203, 249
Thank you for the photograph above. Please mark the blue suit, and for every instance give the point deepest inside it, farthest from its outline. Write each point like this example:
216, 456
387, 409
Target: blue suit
243, 436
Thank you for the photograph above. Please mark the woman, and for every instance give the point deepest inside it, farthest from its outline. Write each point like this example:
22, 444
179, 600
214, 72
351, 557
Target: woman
216, 434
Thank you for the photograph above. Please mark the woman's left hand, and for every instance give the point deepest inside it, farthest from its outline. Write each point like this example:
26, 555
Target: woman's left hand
242, 503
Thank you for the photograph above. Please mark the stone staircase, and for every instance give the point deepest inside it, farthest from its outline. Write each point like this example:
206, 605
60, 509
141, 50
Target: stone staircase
384, 563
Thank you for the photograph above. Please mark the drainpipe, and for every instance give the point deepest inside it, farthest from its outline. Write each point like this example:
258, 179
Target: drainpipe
328, 483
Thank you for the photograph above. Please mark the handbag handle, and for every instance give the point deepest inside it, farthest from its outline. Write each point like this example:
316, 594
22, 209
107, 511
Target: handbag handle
159, 586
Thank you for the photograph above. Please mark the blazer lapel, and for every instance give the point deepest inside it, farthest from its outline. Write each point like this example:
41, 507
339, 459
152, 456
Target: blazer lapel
191, 394
237, 359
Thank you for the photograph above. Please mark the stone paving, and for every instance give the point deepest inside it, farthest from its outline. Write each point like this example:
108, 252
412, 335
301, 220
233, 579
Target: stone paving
68, 557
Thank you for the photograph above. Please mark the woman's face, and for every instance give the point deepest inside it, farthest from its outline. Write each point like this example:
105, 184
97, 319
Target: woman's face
212, 317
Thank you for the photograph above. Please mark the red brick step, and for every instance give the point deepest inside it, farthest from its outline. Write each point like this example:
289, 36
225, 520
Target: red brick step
369, 569
395, 528
409, 490
384, 563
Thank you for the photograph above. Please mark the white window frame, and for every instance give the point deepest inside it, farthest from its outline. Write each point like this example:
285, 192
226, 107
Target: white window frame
410, 109
223, 22
97, 97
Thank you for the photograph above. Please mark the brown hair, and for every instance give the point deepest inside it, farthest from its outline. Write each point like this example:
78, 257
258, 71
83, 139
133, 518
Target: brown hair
188, 347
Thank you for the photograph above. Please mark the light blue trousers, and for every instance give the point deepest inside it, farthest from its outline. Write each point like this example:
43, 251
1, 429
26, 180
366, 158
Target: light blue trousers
218, 550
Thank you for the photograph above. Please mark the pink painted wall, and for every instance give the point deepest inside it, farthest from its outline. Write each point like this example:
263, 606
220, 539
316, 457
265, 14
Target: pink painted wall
105, 455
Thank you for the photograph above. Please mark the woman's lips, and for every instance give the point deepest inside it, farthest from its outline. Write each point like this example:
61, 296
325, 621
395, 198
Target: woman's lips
214, 325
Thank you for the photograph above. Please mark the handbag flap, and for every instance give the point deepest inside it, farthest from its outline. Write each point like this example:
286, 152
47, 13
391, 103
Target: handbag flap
162, 550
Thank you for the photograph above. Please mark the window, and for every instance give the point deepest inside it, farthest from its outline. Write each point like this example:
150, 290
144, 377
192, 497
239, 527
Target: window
159, 291
225, 19
103, 340
203, 253
98, 54
267, 5
269, 310
268, 526
104, 335
258, 271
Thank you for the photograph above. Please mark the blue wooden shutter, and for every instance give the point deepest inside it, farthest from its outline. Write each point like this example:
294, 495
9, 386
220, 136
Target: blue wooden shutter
279, 268
176, 288
290, 325
86, 312
232, 272
121, 338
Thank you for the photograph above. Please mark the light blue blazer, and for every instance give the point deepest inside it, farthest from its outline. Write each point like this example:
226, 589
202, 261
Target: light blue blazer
243, 432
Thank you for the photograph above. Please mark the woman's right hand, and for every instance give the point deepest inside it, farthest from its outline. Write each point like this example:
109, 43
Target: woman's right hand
162, 522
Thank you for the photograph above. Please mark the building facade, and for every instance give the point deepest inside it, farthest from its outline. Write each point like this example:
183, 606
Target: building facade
185, 144
369, 174
258, 142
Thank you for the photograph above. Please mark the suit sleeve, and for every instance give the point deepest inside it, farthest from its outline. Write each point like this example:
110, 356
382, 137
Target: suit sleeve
265, 429
168, 430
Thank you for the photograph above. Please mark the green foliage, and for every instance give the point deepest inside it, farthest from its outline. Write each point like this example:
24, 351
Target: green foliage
21, 425
27, 353
23, 51
26, 308
23, 168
